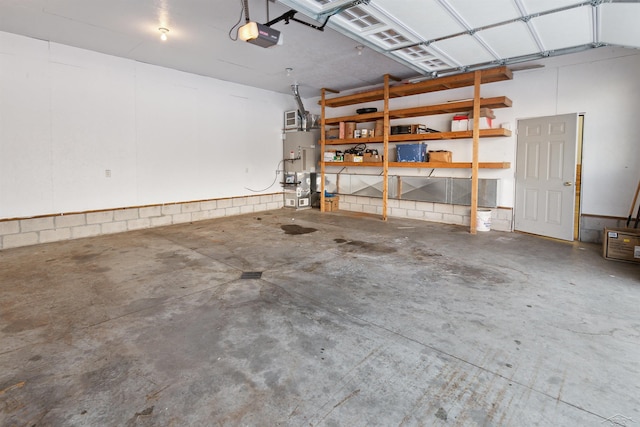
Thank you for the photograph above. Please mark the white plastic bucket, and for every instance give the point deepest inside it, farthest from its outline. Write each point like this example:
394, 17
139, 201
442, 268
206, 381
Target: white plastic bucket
483, 220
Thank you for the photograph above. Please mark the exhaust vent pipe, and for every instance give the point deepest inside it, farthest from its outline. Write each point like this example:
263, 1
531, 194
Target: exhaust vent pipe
301, 110
309, 121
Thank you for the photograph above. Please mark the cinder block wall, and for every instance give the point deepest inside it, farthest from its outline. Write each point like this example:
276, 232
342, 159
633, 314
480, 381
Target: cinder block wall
31, 231
52, 228
592, 226
501, 218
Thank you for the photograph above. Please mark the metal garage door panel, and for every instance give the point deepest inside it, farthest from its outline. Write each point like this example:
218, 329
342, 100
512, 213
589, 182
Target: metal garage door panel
425, 189
365, 185
487, 192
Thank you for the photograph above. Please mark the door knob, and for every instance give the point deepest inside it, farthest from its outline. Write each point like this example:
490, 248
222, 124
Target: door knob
568, 184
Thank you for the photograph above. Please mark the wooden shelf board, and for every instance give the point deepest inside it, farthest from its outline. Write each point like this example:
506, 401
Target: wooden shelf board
347, 141
465, 134
426, 86
424, 165
350, 164
450, 107
358, 118
454, 165
427, 110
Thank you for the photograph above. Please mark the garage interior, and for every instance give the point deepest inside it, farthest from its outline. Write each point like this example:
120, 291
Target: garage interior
153, 271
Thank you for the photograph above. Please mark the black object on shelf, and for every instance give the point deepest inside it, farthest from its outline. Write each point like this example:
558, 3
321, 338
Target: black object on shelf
366, 110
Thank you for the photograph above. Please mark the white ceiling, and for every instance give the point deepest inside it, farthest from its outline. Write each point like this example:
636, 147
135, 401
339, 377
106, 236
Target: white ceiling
405, 38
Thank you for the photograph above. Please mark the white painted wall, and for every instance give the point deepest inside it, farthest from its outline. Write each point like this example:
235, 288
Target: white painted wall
606, 91
67, 115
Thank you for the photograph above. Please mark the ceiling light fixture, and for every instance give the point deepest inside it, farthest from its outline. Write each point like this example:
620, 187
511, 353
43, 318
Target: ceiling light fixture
360, 49
288, 70
163, 33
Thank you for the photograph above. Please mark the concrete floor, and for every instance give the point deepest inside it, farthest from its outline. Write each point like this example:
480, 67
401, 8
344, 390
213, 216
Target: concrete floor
355, 322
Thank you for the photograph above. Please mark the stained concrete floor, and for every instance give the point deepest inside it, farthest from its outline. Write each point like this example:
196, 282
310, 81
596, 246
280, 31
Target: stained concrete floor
354, 322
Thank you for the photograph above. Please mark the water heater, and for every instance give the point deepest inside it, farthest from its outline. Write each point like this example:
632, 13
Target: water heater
300, 158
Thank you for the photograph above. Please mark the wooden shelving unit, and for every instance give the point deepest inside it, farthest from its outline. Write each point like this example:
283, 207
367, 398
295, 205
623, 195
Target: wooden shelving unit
475, 79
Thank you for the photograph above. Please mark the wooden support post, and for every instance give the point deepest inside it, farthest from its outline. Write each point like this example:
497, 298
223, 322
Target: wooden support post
385, 150
474, 160
322, 143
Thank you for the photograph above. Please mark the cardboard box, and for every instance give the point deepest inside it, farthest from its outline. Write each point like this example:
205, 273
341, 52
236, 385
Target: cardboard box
372, 158
411, 152
484, 122
621, 244
331, 156
363, 133
349, 129
333, 133
367, 133
353, 158
379, 129
440, 156
484, 112
331, 203
459, 124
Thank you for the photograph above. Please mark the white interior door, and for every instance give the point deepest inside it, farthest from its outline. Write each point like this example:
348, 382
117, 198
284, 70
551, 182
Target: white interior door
545, 175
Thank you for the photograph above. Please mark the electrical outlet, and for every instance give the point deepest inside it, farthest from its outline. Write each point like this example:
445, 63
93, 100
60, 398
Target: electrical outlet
107, 173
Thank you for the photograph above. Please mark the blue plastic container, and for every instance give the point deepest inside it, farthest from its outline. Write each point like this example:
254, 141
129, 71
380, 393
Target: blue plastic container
412, 152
